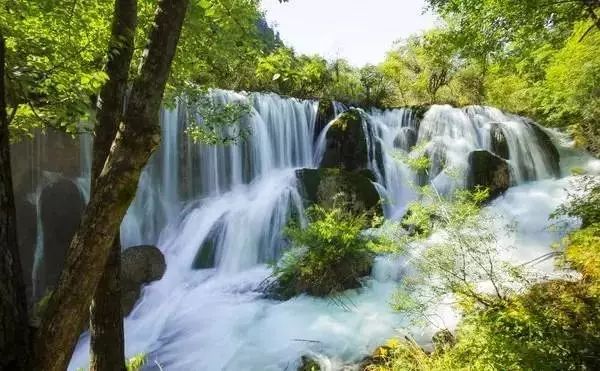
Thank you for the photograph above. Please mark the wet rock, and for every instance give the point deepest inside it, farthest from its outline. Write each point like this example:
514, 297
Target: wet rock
498, 141
347, 145
323, 186
489, 171
307, 363
406, 139
61, 208
436, 154
551, 154
205, 258
140, 265
325, 113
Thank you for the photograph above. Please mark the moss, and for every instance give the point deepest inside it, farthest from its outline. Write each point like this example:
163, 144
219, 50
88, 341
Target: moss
420, 110
325, 113
309, 364
321, 186
346, 143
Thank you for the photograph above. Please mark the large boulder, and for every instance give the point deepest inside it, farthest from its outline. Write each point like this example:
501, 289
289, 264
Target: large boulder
323, 186
499, 143
347, 145
551, 155
488, 170
61, 209
140, 265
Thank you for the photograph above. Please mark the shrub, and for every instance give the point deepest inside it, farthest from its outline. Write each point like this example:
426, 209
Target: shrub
330, 255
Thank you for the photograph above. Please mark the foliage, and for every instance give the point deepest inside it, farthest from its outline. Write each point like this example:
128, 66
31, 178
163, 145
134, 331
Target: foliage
327, 257
583, 202
213, 122
137, 362
548, 325
56, 55
286, 73
462, 259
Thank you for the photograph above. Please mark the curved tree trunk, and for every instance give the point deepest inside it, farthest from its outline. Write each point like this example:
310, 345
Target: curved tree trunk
137, 137
107, 351
14, 334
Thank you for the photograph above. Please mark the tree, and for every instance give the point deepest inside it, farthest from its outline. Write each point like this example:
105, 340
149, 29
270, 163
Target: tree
106, 324
115, 187
14, 328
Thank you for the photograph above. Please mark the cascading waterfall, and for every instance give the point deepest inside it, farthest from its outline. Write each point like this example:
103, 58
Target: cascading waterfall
217, 213
280, 139
447, 135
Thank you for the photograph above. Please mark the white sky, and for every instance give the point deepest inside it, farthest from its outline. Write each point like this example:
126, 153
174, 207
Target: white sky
359, 30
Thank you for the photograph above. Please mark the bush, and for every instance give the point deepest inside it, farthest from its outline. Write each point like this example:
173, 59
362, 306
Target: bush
330, 255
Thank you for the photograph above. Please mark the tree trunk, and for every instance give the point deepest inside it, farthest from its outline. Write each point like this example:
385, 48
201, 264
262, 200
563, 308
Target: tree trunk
107, 351
14, 334
137, 138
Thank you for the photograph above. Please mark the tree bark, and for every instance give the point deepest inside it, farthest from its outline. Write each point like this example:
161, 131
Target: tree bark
107, 350
137, 137
14, 327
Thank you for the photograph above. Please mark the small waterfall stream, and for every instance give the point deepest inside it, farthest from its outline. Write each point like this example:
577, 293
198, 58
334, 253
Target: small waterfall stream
217, 213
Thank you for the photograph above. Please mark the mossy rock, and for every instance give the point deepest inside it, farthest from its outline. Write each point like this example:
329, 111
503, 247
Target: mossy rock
325, 113
322, 186
308, 364
420, 110
347, 145
489, 171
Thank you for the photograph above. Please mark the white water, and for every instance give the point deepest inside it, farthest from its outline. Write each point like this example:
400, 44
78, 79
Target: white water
215, 319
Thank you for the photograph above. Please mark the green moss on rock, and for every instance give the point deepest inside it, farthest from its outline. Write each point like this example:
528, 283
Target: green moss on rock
347, 143
322, 186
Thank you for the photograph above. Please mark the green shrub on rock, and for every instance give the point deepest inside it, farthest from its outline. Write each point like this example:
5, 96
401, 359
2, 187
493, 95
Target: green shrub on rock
330, 255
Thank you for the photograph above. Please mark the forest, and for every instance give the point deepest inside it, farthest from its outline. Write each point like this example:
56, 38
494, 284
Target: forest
181, 189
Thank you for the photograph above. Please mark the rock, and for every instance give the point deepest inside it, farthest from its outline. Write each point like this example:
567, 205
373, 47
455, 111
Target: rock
347, 146
498, 141
436, 154
61, 209
379, 358
321, 186
443, 340
488, 170
406, 139
325, 113
309, 364
551, 155
140, 265
419, 111
205, 258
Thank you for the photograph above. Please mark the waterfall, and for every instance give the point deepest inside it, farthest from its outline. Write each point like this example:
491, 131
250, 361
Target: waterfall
447, 135
217, 213
280, 139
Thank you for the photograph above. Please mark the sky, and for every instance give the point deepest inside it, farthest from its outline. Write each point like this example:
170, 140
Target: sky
360, 31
